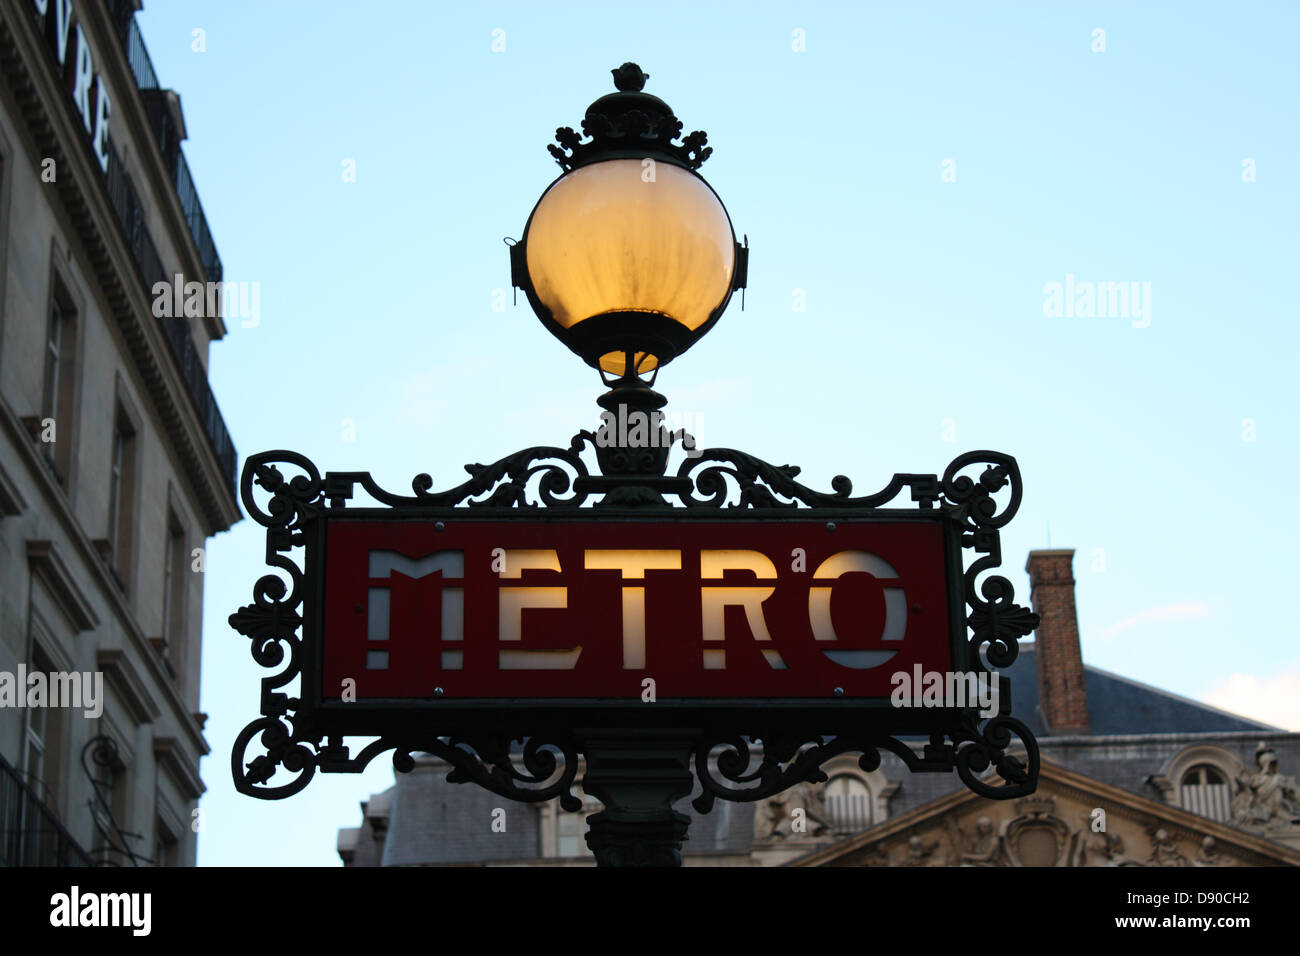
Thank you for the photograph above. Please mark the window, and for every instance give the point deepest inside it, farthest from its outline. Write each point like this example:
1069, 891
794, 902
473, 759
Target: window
571, 828
42, 750
1205, 790
166, 850
54, 428
49, 403
173, 593
115, 487
5, 162
36, 742
121, 496
848, 803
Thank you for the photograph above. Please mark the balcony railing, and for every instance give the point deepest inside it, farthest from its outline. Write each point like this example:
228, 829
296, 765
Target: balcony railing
198, 222
126, 204
30, 833
137, 55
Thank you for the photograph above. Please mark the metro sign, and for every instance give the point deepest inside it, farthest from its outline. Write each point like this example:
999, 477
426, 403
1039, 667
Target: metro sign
542, 607
461, 608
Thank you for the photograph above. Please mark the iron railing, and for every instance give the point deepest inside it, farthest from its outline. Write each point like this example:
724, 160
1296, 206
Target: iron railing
137, 55
130, 214
30, 832
126, 204
167, 137
197, 221
196, 382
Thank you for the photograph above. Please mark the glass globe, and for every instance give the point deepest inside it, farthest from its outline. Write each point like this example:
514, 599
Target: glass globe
650, 243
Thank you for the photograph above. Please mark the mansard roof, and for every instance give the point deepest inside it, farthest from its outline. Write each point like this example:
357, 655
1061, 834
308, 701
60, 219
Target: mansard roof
1119, 705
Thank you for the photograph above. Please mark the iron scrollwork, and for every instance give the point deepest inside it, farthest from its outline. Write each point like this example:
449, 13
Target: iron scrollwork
273, 622
996, 623
101, 763
541, 763
789, 759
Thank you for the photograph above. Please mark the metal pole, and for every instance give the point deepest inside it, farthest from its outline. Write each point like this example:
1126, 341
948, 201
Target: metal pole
638, 774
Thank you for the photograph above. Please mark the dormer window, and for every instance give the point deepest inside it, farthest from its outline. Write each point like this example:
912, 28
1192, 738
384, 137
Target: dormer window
1205, 790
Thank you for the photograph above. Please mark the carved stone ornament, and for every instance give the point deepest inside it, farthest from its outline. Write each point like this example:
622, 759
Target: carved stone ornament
1266, 799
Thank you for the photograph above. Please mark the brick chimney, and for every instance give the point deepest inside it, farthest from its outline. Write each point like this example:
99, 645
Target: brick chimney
1062, 697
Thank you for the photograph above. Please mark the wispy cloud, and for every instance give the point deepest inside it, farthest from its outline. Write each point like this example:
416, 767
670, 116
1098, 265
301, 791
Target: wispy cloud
1170, 612
1274, 700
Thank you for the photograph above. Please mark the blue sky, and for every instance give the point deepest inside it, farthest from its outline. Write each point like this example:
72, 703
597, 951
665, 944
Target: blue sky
923, 333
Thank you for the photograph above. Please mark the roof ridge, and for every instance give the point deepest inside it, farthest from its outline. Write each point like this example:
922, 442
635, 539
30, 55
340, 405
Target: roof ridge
1255, 724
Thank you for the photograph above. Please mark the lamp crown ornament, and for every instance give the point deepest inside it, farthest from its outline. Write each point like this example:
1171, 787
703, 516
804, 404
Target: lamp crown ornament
629, 78
629, 123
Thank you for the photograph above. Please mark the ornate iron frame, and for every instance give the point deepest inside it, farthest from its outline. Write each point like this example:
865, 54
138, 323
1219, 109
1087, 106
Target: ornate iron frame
302, 735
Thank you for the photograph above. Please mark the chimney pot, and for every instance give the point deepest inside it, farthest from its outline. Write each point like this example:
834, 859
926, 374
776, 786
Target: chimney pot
1062, 694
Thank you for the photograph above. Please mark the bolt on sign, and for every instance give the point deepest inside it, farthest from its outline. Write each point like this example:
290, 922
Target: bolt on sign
522, 604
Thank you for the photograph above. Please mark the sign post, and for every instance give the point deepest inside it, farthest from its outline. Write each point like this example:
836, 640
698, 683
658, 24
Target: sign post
722, 623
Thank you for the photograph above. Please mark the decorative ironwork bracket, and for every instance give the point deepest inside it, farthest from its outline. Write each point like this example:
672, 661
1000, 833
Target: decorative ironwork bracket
712, 480
115, 843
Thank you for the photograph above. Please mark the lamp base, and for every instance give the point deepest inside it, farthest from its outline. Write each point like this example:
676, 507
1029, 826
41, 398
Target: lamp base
632, 445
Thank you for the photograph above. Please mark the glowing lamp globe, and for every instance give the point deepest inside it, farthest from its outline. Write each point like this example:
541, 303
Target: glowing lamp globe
629, 256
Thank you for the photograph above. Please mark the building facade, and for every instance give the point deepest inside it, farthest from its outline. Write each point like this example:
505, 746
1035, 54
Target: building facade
1132, 776
115, 463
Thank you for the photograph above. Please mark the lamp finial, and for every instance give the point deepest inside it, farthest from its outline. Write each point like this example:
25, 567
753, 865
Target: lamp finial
628, 78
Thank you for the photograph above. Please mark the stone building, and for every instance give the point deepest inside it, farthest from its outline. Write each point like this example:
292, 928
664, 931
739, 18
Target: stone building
1132, 776
115, 463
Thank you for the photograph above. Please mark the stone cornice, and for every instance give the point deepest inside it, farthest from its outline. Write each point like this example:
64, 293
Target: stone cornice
172, 758
11, 499
47, 565
120, 672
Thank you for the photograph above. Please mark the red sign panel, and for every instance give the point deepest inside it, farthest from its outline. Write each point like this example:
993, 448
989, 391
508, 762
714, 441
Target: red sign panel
591, 609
